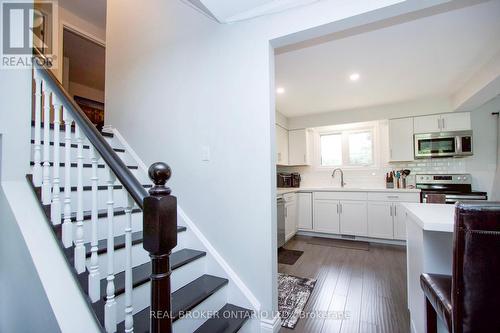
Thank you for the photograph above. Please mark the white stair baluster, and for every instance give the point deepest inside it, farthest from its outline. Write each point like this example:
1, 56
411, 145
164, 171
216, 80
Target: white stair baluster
46, 186
79, 247
94, 276
37, 154
110, 308
55, 207
129, 319
67, 227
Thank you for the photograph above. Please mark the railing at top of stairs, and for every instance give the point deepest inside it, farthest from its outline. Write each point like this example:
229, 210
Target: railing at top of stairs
54, 107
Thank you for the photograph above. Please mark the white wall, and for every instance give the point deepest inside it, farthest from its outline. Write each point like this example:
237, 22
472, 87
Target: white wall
77, 23
397, 110
24, 307
178, 81
281, 120
77, 89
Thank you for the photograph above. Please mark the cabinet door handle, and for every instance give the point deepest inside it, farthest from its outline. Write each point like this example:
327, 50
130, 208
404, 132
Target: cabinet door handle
439, 123
340, 208
442, 124
395, 212
390, 210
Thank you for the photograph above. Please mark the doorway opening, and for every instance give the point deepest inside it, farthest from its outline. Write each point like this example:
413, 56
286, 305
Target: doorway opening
84, 73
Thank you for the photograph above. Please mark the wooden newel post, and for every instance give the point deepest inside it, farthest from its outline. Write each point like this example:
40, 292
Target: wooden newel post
159, 238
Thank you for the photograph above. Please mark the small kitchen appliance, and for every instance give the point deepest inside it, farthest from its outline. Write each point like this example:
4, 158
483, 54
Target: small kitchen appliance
284, 179
443, 144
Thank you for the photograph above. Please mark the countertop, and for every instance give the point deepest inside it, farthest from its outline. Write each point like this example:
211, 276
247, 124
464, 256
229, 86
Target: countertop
432, 217
281, 191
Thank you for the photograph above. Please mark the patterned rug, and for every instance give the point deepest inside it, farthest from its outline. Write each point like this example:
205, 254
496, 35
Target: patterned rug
293, 293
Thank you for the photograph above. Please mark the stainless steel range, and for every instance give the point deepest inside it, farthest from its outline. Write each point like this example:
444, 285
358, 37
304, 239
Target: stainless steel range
457, 187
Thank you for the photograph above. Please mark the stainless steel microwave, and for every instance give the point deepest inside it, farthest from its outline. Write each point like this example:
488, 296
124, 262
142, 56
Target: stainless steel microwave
443, 144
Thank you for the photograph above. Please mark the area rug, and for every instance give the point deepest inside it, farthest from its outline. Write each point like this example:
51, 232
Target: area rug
288, 257
347, 244
293, 293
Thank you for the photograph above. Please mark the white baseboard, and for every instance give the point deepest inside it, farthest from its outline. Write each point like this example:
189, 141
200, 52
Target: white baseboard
231, 274
127, 147
357, 238
271, 325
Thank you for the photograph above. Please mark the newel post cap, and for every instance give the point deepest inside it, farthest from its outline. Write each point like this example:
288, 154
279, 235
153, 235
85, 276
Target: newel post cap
159, 173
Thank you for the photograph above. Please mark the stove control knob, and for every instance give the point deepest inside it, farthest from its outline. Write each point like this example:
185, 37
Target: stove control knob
459, 178
464, 178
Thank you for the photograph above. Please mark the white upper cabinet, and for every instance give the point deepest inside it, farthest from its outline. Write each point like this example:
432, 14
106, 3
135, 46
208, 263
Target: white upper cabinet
299, 143
401, 140
455, 121
281, 145
427, 124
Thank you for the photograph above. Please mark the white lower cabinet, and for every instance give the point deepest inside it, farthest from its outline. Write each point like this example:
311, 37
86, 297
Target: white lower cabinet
399, 222
380, 220
304, 211
326, 216
353, 218
290, 215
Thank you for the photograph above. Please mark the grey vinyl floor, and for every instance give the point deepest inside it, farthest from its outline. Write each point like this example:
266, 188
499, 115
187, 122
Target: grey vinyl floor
356, 290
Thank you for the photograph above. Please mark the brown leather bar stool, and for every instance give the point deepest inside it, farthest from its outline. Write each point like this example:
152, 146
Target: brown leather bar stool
469, 300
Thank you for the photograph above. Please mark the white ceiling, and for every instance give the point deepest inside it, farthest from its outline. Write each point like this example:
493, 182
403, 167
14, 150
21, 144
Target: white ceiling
93, 11
226, 11
428, 57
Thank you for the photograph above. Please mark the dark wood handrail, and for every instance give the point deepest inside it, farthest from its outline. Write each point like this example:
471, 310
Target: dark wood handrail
122, 173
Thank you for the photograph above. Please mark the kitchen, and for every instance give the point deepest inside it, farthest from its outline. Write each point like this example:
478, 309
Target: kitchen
354, 162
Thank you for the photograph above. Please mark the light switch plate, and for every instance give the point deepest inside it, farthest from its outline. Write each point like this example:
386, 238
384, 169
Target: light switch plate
205, 153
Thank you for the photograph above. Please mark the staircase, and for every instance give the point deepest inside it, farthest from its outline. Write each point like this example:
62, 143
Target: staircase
118, 231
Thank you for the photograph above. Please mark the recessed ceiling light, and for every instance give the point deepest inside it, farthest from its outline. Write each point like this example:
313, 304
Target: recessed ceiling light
354, 77
280, 90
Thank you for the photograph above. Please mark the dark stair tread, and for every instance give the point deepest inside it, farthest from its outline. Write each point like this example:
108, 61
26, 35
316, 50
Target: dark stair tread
62, 128
142, 273
74, 145
119, 242
184, 299
100, 187
85, 165
101, 213
229, 319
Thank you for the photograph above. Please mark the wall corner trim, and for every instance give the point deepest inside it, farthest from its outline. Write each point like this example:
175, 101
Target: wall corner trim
270, 325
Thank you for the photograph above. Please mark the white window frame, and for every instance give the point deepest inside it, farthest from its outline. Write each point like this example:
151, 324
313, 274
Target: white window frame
344, 132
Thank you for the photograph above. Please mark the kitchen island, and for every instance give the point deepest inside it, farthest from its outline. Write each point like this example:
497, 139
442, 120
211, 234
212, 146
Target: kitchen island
429, 250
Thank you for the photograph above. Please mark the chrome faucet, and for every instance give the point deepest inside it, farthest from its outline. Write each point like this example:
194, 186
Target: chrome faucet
342, 184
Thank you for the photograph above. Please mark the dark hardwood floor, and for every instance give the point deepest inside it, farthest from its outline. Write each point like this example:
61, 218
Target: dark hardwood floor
369, 287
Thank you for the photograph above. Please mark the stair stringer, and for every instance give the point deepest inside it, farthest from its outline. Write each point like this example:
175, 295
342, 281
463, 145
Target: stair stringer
66, 298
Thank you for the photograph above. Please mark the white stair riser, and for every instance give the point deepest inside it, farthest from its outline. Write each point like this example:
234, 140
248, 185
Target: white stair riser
141, 295
102, 174
210, 305
114, 142
139, 257
119, 221
86, 154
